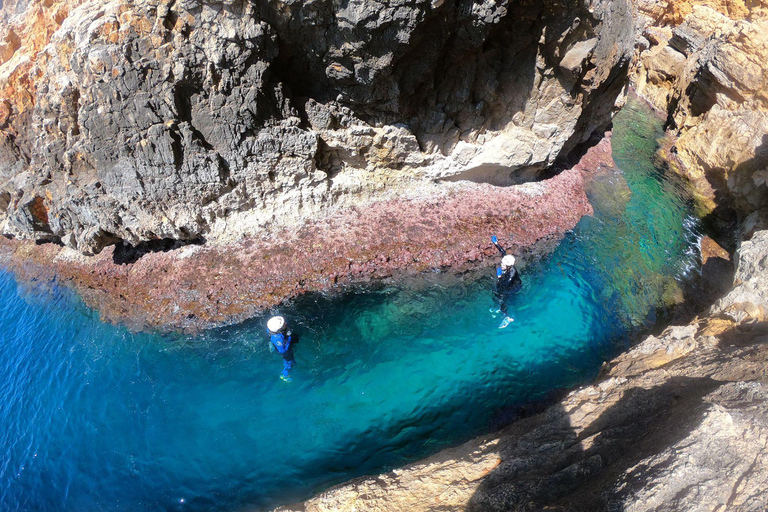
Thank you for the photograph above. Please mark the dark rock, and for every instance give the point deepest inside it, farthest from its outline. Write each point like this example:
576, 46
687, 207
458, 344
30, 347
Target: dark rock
161, 119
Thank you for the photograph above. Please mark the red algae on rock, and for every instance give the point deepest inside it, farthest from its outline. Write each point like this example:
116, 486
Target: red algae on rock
196, 287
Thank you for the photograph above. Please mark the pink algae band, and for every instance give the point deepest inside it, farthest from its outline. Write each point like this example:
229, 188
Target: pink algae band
394, 238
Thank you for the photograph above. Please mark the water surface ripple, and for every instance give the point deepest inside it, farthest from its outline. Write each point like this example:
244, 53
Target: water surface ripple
96, 418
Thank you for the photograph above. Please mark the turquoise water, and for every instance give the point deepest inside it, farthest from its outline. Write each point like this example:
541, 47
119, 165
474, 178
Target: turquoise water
94, 417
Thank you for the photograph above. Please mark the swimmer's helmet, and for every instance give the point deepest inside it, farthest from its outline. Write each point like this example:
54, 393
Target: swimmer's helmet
275, 324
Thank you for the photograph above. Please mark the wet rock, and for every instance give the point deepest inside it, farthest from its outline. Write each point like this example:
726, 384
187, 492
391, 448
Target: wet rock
677, 423
711, 249
147, 120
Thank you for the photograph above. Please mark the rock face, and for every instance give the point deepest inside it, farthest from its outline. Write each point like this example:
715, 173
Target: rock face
680, 422
194, 287
705, 63
146, 120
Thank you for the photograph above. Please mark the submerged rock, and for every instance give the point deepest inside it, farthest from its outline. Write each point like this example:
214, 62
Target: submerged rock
129, 122
677, 423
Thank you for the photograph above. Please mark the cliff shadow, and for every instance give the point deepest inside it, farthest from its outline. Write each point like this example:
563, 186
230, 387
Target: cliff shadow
702, 290
744, 334
723, 221
560, 461
125, 253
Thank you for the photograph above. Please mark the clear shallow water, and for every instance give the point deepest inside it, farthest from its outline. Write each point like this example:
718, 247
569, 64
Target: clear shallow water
93, 417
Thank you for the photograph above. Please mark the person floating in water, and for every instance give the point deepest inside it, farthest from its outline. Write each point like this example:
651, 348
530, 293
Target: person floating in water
280, 340
508, 282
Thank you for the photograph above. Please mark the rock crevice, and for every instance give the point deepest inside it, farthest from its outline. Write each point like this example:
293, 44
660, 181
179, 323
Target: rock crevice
180, 119
706, 65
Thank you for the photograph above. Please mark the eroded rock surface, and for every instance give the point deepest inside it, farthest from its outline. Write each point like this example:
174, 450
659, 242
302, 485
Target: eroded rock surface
193, 286
680, 422
138, 121
705, 63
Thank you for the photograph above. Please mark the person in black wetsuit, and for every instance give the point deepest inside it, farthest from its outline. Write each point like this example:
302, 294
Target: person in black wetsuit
508, 281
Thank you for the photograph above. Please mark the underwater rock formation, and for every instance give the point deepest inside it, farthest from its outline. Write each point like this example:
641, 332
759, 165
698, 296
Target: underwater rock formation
132, 122
677, 423
705, 63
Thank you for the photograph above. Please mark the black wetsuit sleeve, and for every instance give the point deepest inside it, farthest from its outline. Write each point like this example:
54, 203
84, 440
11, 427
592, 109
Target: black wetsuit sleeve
517, 283
501, 250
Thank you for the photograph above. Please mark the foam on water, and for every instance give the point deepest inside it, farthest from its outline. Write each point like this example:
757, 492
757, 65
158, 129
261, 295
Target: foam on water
94, 417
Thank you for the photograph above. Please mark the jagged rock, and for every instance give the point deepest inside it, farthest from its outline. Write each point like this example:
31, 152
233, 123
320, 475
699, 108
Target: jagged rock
707, 67
674, 12
158, 285
154, 119
680, 422
751, 281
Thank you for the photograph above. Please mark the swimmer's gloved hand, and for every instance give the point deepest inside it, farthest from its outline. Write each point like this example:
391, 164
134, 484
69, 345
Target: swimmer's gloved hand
494, 239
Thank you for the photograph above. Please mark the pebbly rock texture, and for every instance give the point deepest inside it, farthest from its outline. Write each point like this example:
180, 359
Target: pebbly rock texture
193, 286
129, 122
705, 63
680, 422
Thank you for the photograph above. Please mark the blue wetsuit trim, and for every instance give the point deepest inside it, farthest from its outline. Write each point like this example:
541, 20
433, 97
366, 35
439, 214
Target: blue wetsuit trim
282, 343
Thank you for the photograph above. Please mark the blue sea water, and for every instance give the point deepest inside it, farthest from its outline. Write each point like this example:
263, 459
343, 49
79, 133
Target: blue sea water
94, 417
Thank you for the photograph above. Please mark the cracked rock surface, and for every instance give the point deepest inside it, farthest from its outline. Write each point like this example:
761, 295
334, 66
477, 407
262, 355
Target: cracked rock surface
127, 122
705, 63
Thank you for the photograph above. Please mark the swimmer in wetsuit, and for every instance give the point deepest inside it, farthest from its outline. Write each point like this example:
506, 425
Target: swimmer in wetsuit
508, 282
280, 340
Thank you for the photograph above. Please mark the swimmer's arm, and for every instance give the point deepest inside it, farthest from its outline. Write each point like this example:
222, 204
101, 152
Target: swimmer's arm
495, 241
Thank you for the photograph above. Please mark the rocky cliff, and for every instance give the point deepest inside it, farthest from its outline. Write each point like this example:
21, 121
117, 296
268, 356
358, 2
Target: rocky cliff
126, 122
705, 63
680, 422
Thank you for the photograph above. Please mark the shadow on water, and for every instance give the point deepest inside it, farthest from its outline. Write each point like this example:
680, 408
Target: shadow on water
713, 281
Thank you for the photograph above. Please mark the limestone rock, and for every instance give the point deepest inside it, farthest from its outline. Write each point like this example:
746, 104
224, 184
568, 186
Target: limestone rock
750, 291
154, 119
706, 65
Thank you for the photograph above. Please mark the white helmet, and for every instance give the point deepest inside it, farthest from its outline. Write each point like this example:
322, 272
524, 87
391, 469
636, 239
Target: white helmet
275, 324
508, 261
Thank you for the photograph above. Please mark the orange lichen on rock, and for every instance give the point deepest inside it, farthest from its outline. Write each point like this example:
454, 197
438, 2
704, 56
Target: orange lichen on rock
674, 12
24, 38
39, 211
